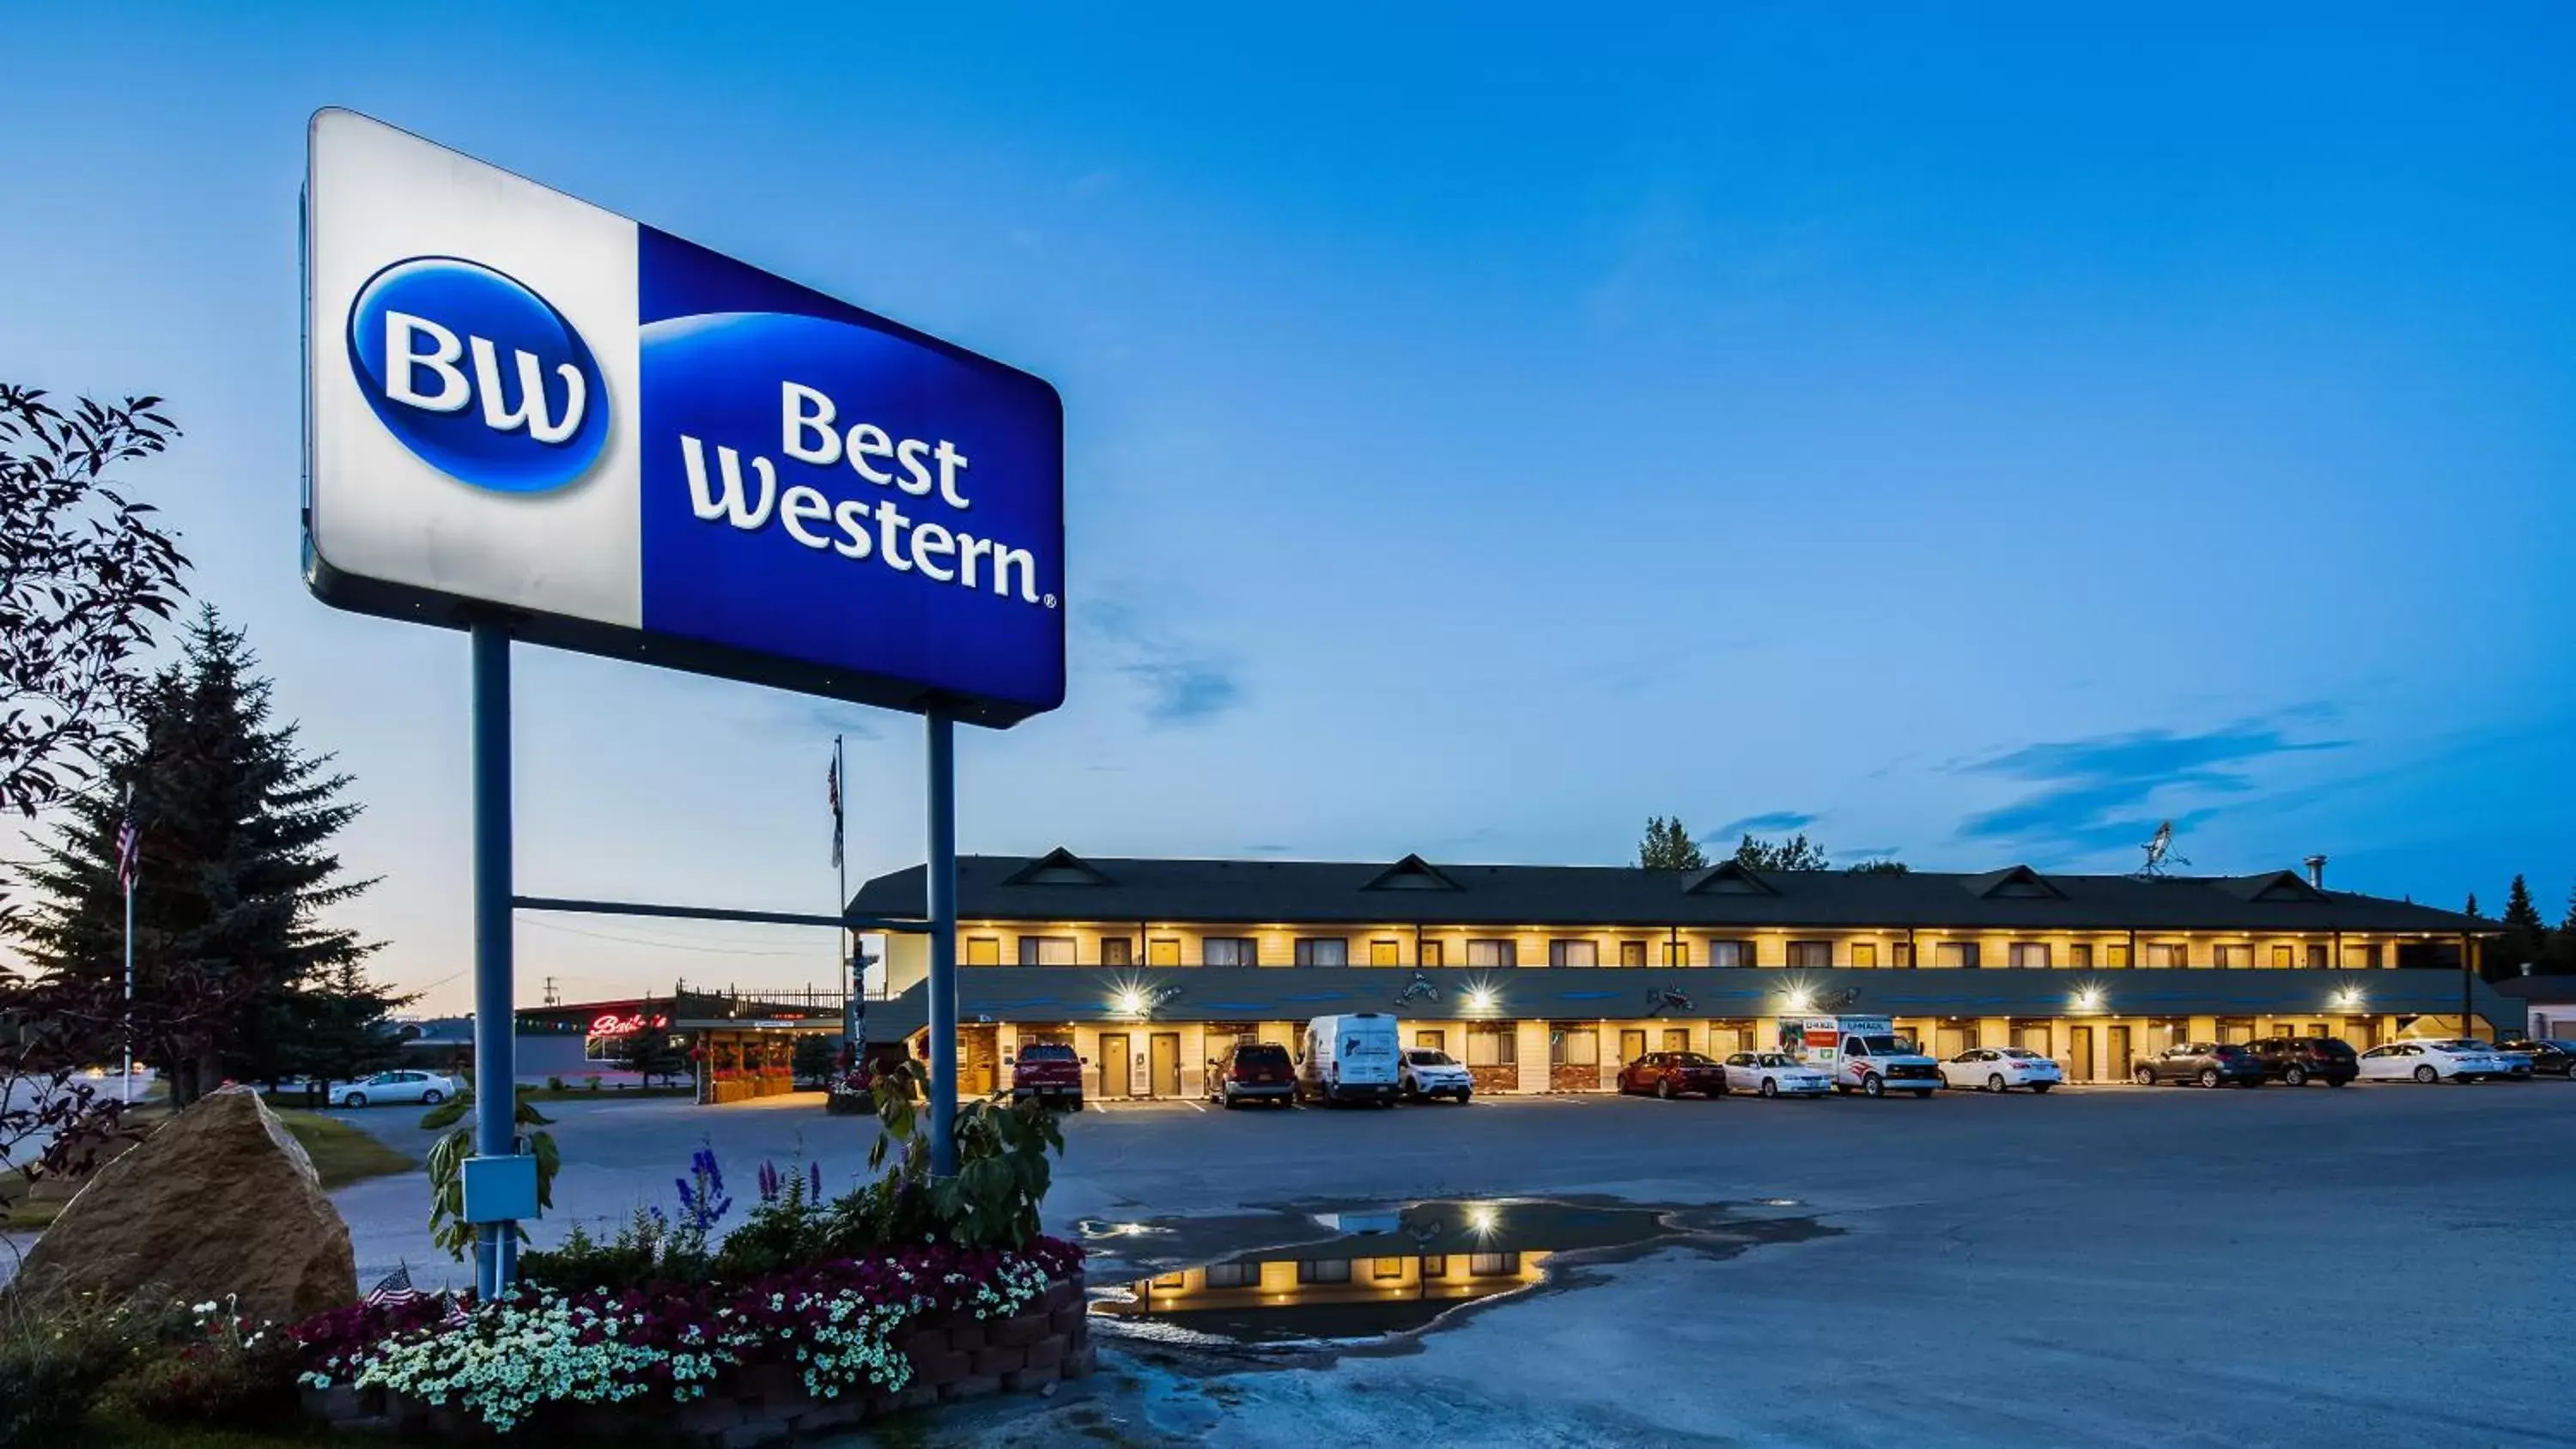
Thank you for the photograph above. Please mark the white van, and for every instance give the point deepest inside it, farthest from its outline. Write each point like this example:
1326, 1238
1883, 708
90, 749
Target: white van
1349, 1059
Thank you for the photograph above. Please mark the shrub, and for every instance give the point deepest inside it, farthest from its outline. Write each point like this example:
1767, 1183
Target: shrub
220, 1369
554, 1084
1002, 1170
54, 1368
592, 1082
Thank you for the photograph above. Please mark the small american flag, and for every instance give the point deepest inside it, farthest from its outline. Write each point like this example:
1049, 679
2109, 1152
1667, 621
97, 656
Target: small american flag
129, 858
395, 1291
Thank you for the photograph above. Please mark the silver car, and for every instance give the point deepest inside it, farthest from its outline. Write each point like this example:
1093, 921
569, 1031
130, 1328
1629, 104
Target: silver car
427, 1088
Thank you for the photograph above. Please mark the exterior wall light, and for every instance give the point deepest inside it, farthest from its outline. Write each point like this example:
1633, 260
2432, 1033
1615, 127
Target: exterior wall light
1482, 997
1801, 1001
2089, 999
2349, 998
1130, 1002
1483, 1218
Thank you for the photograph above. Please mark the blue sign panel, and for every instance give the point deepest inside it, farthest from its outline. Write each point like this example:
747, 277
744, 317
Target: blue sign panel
621, 442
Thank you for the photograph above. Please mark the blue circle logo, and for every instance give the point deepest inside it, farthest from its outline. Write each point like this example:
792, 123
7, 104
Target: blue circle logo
479, 376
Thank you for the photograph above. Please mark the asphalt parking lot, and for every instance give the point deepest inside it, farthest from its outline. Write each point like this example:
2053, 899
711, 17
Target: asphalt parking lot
2382, 1264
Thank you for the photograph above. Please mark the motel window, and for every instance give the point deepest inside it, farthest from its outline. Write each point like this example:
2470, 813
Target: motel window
1230, 951
2116, 955
1046, 950
1730, 953
1323, 951
2167, 954
2080, 954
1385, 953
1172, 1282
2236, 957
1632, 953
1573, 953
2317, 958
1493, 953
1234, 1275
1864, 954
1957, 955
2364, 957
1493, 1047
1386, 1270
983, 950
1811, 953
1574, 1046
1493, 1265
1435, 1265
1117, 951
1323, 1270
1431, 953
2028, 955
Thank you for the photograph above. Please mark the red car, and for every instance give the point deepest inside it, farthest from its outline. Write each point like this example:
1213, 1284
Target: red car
1670, 1074
1050, 1072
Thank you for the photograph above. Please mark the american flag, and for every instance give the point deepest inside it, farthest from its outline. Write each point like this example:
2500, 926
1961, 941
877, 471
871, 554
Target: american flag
129, 858
395, 1291
832, 784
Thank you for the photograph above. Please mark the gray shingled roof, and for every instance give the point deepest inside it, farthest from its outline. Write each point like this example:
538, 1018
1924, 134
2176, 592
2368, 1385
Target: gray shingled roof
1060, 886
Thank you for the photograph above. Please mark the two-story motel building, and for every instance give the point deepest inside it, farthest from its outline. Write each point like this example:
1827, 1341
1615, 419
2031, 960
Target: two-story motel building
1547, 978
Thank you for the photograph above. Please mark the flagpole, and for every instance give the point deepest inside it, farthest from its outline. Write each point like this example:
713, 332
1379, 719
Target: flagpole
129, 991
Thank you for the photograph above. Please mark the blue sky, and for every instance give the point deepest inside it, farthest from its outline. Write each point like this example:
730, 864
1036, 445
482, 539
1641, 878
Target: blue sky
1967, 432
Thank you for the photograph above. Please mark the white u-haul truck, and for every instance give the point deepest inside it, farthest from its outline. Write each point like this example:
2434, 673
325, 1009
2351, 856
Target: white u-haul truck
1862, 1053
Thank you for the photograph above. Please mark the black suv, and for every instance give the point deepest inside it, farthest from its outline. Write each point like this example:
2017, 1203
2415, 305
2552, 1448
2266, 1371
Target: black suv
2298, 1060
2553, 1058
2208, 1063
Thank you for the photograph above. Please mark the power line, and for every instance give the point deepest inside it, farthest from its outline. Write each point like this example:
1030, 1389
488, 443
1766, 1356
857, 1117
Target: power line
663, 944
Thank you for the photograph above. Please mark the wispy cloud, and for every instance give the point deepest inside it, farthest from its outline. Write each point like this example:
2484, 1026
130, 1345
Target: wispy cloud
2097, 790
1183, 683
1776, 820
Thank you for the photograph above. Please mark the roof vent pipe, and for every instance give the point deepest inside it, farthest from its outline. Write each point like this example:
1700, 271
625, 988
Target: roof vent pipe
2316, 865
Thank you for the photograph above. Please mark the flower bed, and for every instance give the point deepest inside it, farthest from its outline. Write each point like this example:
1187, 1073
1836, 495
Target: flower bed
793, 1352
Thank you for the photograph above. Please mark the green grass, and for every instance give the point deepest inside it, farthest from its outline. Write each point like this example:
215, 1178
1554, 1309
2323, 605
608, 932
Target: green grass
113, 1428
342, 1153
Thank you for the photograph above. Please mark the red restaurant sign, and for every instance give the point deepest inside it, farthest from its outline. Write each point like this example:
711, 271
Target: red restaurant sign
612, 1024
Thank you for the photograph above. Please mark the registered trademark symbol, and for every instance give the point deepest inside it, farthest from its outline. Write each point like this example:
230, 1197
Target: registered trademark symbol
1050, 601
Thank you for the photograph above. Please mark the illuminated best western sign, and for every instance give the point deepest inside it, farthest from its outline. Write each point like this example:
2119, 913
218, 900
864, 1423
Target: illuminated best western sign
631, 445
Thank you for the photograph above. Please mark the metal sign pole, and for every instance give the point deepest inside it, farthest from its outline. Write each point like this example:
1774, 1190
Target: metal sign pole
943, 944
496, 1066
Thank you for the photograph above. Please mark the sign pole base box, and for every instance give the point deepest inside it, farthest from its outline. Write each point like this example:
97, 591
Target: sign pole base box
521, 406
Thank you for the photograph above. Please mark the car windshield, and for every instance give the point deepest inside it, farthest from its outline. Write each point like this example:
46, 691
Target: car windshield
1887, 1046
1046, 1051
1429, 1059
1776, 1059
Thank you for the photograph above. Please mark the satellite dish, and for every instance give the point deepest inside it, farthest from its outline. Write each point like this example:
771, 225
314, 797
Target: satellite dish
2159, 851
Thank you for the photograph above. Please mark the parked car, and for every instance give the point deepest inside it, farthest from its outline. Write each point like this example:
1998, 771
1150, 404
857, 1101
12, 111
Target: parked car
2549, 1057
1775, 1074
1253, 1071
1671, 1074
1048, 1071
2000, 1069
2517, 1065
2298, 1060
427, 1088
2430, 1061
2208, 1063
1428, 1073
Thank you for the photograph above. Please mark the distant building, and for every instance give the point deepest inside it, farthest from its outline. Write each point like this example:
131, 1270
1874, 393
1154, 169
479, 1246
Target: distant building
1547, 978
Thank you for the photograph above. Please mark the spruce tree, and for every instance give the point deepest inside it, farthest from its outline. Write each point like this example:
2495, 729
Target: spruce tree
2562, 942
2525, 938
234, 968
1668, 846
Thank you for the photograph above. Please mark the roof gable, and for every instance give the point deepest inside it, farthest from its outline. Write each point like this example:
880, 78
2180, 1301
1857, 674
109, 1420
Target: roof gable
2279, 885
2013, 882
1412, 873
1729, 878
1058, 867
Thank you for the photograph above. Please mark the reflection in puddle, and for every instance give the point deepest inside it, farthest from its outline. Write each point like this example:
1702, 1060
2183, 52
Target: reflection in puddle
1387, 1271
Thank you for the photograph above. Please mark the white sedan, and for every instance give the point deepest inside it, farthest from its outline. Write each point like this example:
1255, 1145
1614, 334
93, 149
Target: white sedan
2430, 1061
2000, 1069
1775, 1074
427, 1088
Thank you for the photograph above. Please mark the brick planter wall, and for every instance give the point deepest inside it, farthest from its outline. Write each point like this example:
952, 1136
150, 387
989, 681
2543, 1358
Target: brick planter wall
953, 1355
1569, 1078
1495, 1079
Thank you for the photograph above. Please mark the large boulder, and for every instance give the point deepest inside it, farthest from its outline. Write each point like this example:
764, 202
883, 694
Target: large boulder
219, 1202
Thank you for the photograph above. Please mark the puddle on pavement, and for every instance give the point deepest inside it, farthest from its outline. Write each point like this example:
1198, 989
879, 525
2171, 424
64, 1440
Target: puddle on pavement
1296, 1285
